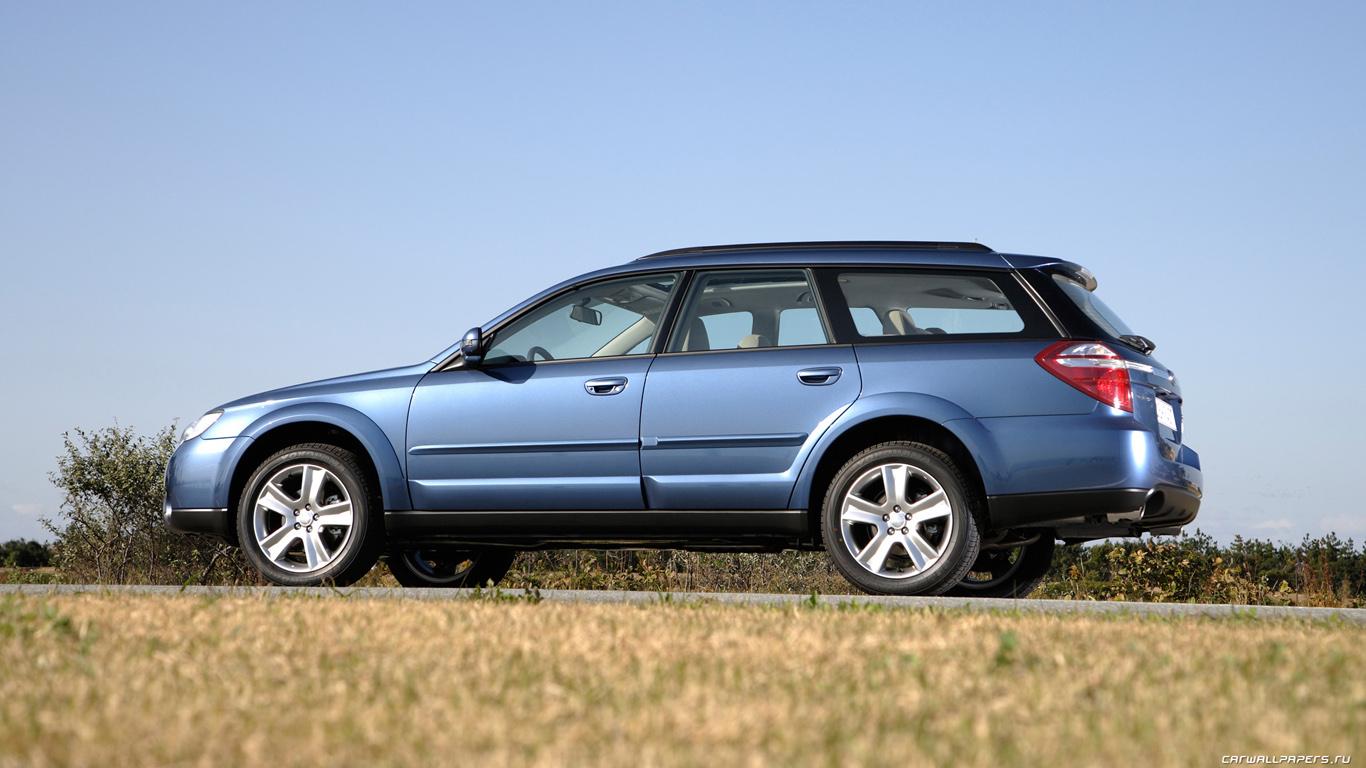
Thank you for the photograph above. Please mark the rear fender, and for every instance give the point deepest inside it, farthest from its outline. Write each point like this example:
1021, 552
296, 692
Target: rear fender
902, 404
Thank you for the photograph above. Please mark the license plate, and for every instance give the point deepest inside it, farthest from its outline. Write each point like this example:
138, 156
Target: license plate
1166, 414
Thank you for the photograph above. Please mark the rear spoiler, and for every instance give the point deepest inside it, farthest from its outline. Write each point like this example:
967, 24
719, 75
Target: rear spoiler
1074, 272
1070, 270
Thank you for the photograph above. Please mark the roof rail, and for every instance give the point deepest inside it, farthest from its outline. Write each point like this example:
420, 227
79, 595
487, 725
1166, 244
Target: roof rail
906, 245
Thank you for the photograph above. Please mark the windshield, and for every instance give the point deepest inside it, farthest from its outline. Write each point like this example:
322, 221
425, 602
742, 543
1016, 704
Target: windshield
1089, 303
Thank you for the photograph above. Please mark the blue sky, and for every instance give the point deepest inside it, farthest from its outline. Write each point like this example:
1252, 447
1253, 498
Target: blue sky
202, 201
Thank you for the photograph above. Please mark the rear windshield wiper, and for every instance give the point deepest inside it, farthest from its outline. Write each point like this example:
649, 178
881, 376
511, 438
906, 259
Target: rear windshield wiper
1141, 343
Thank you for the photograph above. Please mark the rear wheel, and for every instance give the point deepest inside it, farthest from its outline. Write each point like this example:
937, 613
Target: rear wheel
899, 519
449, 568
306, 517
1010, 572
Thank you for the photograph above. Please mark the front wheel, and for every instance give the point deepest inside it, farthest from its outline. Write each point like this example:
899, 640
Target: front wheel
449, 568
307, 517
1008, 572
898, 519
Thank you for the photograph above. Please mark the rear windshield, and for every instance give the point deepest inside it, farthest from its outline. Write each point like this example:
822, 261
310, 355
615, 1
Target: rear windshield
1089, 303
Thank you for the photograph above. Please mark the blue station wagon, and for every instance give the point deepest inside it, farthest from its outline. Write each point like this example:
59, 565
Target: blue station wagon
936, 416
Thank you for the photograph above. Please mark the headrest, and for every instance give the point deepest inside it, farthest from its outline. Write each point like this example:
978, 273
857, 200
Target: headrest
901, 322
696, 338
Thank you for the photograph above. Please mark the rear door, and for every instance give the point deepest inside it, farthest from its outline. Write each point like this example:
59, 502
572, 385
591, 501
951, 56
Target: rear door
748, 383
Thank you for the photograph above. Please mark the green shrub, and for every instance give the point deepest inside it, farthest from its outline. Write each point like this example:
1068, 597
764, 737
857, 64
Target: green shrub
1194, 568
110, 528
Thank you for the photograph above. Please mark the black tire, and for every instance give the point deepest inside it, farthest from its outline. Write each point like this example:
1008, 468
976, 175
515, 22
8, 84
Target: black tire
446, 568
957, 553
361, 549
1008, 573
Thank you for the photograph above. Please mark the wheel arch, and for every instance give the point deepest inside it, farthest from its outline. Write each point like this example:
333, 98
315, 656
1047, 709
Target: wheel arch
919, 418
322, 423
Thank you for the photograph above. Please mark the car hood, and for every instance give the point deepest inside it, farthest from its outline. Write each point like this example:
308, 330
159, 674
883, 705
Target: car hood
334, 386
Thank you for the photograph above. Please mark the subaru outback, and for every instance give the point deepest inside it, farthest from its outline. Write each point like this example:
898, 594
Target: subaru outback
936, 416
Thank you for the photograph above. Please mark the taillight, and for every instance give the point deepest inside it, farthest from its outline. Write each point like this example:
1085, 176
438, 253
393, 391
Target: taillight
1093, 368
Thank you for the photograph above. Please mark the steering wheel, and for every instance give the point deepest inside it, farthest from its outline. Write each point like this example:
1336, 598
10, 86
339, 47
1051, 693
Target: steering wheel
538, 350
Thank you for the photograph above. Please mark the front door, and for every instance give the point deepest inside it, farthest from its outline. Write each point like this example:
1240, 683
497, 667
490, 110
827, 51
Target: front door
749, 383
551, 418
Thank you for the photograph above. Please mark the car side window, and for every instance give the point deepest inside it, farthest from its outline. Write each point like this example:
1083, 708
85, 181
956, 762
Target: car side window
800, 325
912, 303
744, 309
612, 318
728, 329
866, 321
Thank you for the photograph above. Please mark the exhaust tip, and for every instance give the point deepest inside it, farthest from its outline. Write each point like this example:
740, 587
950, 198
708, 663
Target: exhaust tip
1154, 504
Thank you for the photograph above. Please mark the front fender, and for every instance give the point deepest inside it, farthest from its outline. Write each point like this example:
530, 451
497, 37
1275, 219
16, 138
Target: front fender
900, 404
393, 484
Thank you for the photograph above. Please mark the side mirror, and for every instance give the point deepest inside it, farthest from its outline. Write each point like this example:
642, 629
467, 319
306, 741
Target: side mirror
472, 346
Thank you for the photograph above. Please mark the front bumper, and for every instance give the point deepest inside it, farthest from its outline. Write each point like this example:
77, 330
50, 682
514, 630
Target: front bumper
198, 478
214, 522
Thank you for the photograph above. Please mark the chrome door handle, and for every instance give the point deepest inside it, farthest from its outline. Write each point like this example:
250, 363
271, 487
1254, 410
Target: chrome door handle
612, 386
819, 377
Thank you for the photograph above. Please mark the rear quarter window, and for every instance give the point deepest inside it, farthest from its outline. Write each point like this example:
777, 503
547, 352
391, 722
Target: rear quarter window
893, 305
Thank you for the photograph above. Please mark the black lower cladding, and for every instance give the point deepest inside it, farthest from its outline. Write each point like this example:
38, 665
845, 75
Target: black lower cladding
214, 522
1163, 505
745, 529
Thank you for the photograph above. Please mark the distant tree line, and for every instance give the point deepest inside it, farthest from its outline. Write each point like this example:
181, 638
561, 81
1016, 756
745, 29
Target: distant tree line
23, 553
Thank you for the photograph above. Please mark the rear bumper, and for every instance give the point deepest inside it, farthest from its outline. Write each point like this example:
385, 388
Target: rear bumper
1089, 477
1080, 515
1028, 509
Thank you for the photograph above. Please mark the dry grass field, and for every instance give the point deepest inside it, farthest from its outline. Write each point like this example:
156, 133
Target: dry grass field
145, 680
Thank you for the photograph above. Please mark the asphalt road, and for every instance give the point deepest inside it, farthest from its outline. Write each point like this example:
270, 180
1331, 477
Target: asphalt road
1061, 607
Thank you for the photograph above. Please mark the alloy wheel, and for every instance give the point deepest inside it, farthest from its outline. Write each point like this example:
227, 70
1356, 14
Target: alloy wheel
302, 518
896, 521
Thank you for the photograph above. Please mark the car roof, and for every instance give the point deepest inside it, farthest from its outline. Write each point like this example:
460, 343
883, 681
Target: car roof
822, 245
826, 252
871, 252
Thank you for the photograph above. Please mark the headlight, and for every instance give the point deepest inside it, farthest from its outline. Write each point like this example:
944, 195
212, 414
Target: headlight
196, 429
